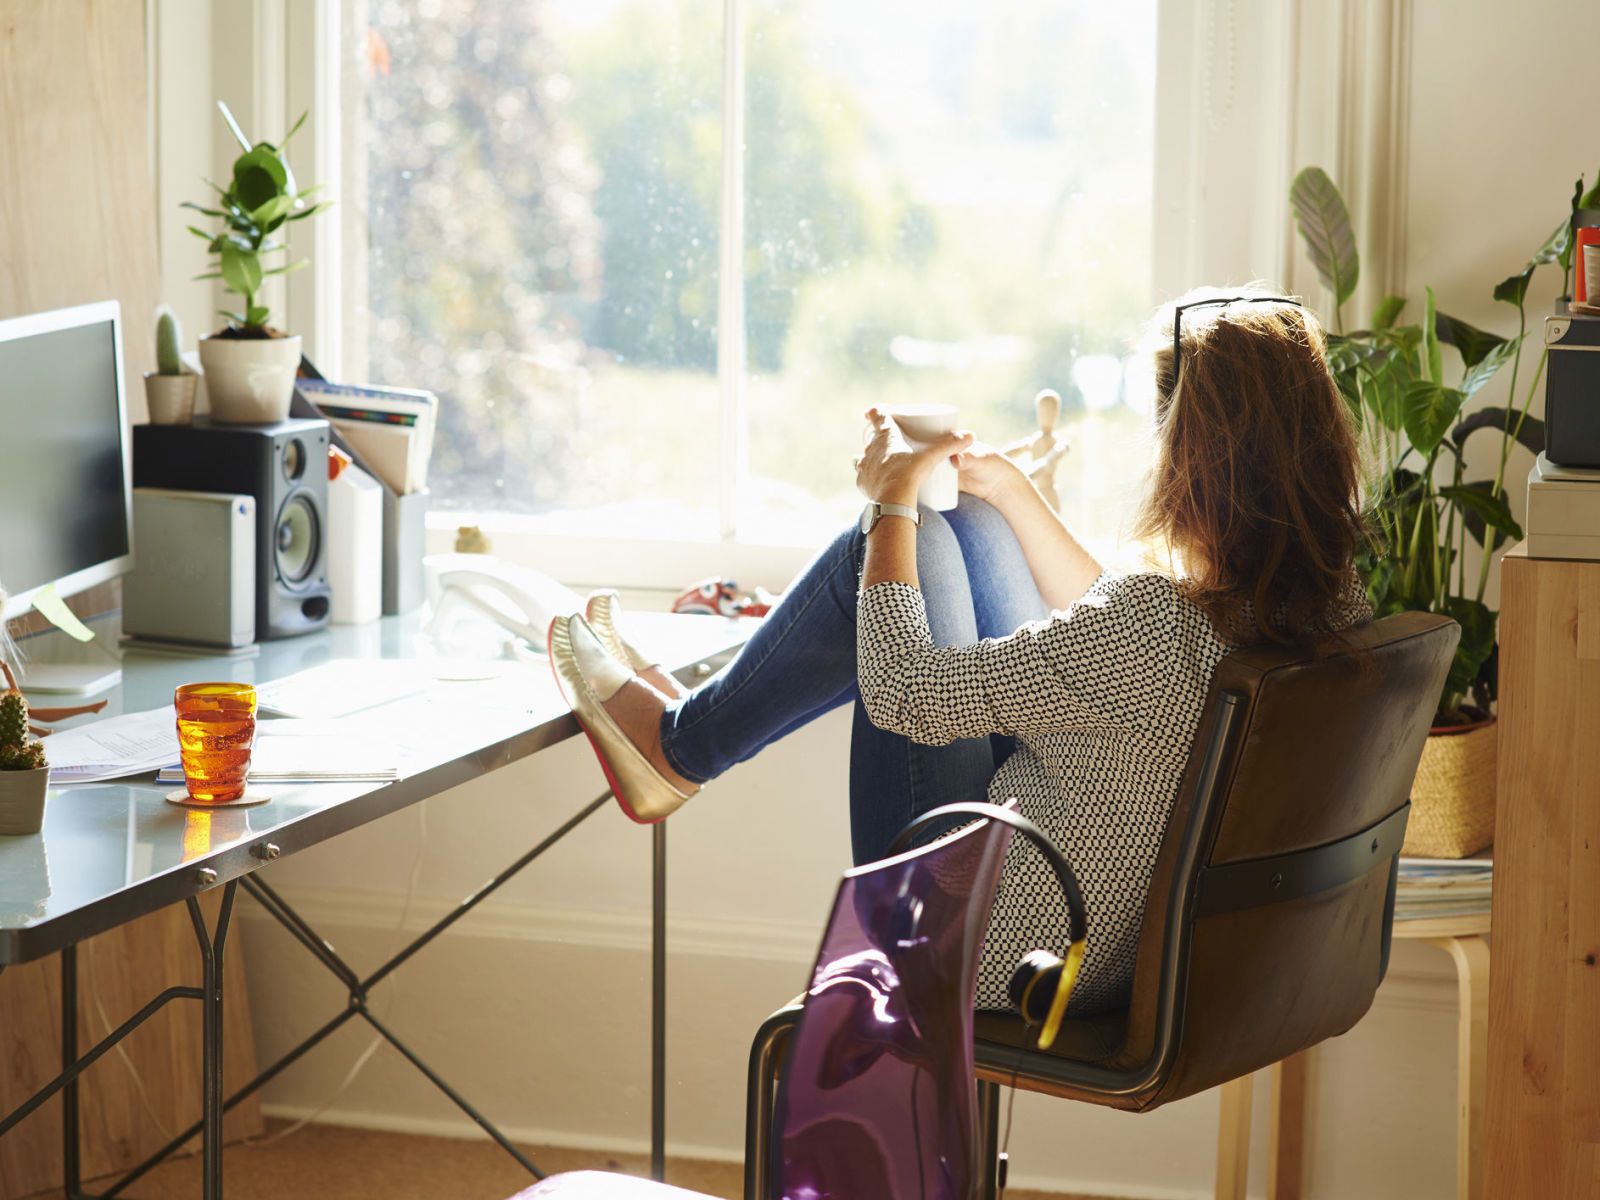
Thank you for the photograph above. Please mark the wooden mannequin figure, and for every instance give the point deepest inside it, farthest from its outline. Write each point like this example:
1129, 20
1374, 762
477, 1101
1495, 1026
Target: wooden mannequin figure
1044, 449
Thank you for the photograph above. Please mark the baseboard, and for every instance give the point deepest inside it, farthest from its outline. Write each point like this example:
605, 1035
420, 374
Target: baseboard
1406, 987
500, 920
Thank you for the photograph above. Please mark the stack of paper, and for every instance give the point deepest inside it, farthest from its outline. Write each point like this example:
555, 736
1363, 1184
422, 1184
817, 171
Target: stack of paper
1443, 887
285, 751
314, 752
132, 744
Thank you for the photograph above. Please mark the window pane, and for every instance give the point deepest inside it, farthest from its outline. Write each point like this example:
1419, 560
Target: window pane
539, 188
946, 202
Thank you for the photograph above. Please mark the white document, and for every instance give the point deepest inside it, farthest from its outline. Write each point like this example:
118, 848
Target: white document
131, 744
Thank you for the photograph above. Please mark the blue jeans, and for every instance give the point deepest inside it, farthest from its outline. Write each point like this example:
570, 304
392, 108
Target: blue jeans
802, 662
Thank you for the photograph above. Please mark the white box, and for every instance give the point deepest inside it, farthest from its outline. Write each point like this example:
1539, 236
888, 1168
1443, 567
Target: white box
1563, 512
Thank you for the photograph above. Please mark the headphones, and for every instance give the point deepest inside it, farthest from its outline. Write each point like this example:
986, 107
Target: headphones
1042, 982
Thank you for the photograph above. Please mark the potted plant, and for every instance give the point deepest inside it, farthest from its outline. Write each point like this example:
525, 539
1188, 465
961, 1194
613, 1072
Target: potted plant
249, 365
169, 389
1415, 422
23, 769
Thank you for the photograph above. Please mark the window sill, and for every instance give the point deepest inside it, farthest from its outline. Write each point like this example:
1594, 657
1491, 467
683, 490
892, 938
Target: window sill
655, 564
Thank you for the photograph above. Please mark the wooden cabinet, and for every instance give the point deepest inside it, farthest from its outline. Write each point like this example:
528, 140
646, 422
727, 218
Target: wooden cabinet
1542, 1131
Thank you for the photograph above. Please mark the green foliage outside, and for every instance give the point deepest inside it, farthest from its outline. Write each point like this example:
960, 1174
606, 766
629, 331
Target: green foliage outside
1414, 416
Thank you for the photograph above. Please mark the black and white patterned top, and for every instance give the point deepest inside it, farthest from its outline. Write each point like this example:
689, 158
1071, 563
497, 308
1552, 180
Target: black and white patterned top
1104, 699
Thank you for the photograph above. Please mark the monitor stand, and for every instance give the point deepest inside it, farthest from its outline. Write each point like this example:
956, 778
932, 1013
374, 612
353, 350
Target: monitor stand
69, 679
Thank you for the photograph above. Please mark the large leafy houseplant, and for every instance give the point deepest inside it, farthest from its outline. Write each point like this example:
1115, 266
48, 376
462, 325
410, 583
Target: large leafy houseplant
1416, 416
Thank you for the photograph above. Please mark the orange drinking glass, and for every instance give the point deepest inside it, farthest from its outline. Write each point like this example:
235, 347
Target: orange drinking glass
216, 729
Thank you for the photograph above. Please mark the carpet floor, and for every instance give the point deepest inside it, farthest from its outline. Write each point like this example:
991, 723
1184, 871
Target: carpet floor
330, 1162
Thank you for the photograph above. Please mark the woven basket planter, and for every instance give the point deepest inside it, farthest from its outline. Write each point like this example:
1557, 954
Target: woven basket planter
1452, 798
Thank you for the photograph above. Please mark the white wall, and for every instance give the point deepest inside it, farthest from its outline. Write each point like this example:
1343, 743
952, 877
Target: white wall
537, 1005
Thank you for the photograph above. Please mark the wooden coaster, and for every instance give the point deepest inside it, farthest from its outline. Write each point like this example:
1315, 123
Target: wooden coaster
251, 796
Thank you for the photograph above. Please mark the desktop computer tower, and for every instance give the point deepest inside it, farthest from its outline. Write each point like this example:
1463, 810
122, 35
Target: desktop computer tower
285, 468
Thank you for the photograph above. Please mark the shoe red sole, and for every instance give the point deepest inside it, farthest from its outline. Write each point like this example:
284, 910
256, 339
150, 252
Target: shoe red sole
605, 767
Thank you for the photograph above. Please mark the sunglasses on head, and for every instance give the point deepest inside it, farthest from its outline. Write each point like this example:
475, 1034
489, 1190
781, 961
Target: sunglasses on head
1179, 310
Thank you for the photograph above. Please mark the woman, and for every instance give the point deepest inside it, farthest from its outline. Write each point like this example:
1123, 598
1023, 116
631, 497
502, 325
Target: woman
987, 653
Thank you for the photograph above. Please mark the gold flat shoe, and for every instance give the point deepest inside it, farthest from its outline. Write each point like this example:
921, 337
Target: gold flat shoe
600, 611
588, 676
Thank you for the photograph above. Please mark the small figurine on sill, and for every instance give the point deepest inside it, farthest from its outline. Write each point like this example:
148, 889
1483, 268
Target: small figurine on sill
1044, 448
472, 540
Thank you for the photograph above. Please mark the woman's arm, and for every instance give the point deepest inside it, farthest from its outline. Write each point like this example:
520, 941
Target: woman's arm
890, 471
1062, 569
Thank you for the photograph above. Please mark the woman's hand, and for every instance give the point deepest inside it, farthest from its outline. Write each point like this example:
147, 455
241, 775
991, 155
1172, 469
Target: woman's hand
890, 470
988, 474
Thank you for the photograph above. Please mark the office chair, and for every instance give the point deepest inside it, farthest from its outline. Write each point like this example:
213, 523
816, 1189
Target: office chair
878, 1096
1267, 925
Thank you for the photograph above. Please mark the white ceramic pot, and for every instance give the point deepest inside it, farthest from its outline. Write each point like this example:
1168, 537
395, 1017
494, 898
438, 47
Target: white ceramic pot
22, 800
170, 397
250, 381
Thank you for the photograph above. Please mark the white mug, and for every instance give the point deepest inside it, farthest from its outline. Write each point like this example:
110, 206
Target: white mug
922, 425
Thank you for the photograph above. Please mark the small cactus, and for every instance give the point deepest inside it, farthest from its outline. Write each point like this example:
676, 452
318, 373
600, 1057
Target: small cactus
18, 750
169, 343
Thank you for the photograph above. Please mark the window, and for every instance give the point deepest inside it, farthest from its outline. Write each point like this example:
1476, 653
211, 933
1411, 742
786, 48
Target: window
934, 202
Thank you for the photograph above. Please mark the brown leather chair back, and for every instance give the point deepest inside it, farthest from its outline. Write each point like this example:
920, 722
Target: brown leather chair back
1267, 925
1277, 871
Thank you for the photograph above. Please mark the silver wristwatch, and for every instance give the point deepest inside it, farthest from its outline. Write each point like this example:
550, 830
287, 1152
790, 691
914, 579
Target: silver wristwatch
876, 511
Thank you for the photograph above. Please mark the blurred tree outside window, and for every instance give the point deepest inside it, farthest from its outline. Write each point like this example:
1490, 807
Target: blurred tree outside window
942, 202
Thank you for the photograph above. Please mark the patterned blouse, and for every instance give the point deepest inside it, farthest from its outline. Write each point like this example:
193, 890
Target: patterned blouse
1104, 699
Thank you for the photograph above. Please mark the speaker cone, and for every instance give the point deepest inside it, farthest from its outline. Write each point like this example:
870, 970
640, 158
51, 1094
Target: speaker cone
295, 540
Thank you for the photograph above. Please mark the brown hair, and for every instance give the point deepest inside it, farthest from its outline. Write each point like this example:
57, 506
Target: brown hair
1257, 472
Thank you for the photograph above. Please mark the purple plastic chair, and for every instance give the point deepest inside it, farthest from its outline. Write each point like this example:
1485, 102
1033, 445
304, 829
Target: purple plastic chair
877, 1096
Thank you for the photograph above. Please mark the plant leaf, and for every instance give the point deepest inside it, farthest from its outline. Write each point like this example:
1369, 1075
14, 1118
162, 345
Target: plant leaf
1564, 255
1515, 289
295, 128
233, 126
241, 270
1485, 369
1477, 623
1428, 410
272, 212
1324, 224
288, 267
1388, 311
256, 315
1490, 509
1531, 434
1470, 342
1430, 342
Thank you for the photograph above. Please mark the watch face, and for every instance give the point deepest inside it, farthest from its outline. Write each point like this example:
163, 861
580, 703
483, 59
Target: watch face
869, 518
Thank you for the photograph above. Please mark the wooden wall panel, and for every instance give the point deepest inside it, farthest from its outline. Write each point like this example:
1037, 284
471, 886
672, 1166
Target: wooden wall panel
77, 195
77, 223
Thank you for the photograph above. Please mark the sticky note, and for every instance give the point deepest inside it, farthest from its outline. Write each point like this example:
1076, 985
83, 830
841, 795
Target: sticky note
55, 610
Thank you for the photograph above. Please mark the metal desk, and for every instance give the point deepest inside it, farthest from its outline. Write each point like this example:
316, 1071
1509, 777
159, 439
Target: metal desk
112, 852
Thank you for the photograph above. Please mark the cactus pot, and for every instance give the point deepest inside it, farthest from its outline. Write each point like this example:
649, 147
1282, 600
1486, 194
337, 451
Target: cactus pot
250, 381
22, 800
170, 397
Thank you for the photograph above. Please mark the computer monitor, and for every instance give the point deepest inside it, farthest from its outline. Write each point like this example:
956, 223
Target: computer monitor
65, 467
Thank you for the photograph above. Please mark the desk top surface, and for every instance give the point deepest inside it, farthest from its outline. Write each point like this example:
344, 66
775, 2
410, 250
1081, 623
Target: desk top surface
110, 852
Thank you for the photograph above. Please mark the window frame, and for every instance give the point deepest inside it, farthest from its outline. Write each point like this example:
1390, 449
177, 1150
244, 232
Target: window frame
303, 41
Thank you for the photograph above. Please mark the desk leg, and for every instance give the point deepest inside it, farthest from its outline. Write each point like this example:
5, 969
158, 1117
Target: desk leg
658, 1002
71, 1169
211, 947
1471, 955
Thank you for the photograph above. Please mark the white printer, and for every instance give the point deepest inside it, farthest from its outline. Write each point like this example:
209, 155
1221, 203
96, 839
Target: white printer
1563, 511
